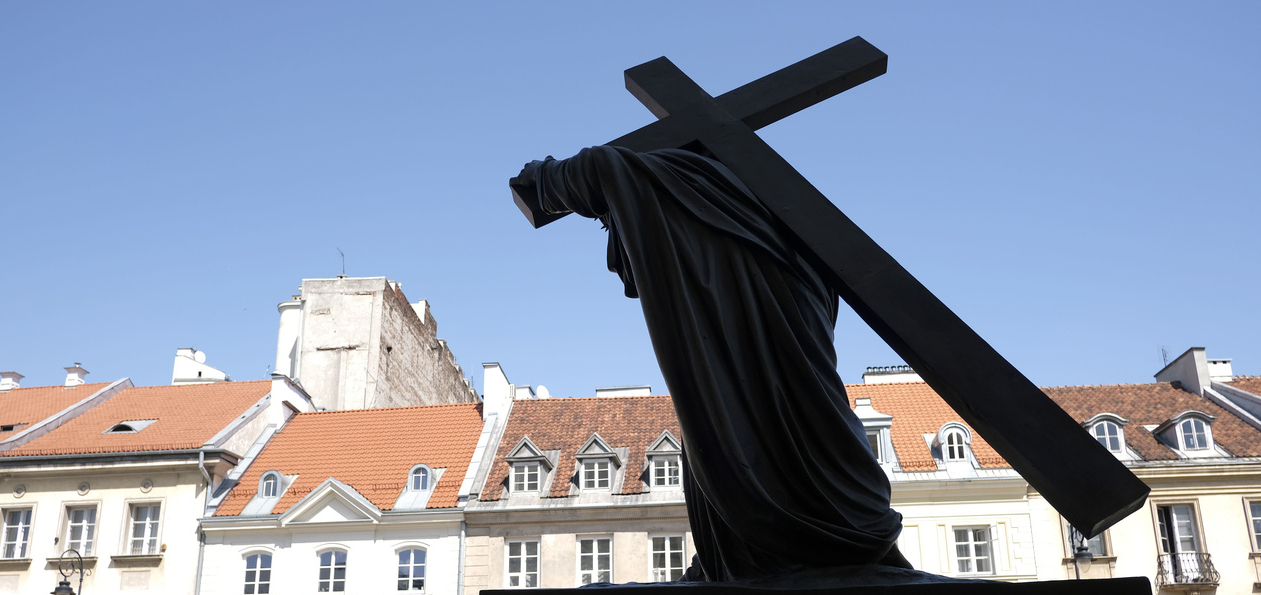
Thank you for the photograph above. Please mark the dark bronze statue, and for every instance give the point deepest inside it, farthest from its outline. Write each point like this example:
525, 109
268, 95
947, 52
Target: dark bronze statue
738, 262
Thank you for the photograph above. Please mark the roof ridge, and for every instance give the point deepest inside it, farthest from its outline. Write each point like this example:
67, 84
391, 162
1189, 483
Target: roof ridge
1107, 385
372, 409
226, 382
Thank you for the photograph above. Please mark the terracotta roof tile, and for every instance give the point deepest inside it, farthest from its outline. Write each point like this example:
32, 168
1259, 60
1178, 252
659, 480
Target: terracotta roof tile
371, 450
1250, 384
37, 403
917, 410
1148, 404
187, 416
566, 424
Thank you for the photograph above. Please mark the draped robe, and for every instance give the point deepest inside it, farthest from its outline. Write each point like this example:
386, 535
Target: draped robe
778, 474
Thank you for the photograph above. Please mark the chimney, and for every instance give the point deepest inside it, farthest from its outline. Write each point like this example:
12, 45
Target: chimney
641, 390
75, 375
190, 368
10, 381
1190, 369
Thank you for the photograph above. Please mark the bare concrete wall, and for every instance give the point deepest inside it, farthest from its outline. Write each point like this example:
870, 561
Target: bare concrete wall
363, 346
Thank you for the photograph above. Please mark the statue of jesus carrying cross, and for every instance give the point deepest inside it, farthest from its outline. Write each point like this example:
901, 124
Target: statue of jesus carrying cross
738, 263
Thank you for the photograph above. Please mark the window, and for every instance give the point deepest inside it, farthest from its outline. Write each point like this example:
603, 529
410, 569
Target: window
955, 447
1094, 545
595, 560
17, 532
270, 485
419, 479
332, 572
1179, 543
1194, 434
972, 550
523, 564
411, 570
595, 474
873, 442
258, 574
1108, 434
525, 477
1254, 514
81, 529
144, 529
666, 471
129, 426
667, 558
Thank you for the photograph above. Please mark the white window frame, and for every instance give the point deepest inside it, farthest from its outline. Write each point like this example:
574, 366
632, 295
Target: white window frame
948, 446
666, 471
20, 542
151, 539
408, 579
972, 558
661, 574
89, 535
522, 578
1252, 509
594, 574
1109, 434
332, 567
1098, 545
520, 477
591, 474
259, 585
1172, 540
1206, 434
273, 478
423, 473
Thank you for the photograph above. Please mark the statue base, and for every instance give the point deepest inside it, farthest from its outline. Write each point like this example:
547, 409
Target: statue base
1114, 586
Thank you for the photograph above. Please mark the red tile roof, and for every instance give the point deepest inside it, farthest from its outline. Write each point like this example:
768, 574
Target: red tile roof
1151, 404
187, 416
37, 403
566, 424
917, 410
1250, 384
371, 450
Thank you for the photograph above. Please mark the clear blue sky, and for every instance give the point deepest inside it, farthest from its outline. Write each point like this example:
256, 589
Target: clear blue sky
1080, 183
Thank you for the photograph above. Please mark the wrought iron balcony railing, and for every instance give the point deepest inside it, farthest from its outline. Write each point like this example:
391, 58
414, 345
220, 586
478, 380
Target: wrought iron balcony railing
1186, 568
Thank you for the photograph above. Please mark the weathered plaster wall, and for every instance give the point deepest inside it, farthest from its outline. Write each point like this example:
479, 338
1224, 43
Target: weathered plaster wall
415, 367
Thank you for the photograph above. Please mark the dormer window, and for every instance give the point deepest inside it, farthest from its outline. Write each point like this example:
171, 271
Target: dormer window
954, 447
1190, 432
528, 467
1193, 434
129, 426
665, 462
598, 463
269, 487
419, 479
525, 477
1108, 430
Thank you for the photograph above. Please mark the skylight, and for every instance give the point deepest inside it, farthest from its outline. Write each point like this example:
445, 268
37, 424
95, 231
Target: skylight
129, 426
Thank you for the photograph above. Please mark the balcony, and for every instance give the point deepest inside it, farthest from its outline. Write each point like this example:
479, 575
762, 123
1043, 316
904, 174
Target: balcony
1185, 570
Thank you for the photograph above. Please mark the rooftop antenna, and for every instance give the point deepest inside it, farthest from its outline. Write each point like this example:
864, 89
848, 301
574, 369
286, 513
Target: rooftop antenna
339, 251
1164, 356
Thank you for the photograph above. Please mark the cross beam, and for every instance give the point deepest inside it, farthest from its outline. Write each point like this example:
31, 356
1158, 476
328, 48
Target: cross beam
1080, 478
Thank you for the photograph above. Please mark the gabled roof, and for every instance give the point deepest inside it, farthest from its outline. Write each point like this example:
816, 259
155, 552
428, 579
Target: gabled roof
566, 425
186, 417
30, 405
917, 410
370, 450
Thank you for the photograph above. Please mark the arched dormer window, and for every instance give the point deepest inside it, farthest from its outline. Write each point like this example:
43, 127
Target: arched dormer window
955, 447
269, 485
1108, 434
1107, 428
1190, 432
420, 479
1193, 434
953, 441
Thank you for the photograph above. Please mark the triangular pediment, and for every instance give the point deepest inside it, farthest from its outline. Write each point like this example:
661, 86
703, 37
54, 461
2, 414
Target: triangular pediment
596, 447
526, 450
665, 443
332, 502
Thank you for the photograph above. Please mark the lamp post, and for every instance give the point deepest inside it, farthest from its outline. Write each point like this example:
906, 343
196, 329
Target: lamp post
1082, 559
63, 586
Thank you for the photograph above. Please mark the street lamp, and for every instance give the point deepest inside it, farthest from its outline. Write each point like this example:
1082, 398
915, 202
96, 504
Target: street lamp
63, 586
1082, 559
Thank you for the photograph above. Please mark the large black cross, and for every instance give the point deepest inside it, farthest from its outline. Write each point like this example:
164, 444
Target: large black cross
1077, 475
